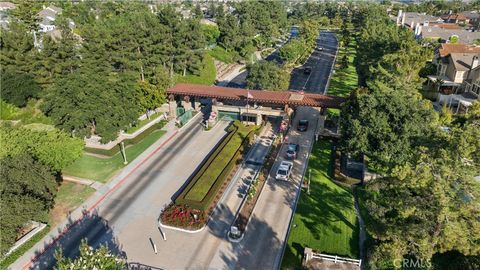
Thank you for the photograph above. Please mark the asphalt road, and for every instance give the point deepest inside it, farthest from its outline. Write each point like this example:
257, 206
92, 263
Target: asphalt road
127, 218
320, 61
262, 246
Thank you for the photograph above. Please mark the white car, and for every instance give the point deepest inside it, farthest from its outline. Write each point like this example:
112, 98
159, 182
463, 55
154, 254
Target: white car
284, 170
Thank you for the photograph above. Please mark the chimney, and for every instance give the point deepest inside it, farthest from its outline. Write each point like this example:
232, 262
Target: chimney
399, 17
474, 62
403, 19
419, 30
412, 25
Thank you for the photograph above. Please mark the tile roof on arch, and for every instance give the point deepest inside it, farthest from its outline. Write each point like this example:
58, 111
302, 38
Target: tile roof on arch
275, 97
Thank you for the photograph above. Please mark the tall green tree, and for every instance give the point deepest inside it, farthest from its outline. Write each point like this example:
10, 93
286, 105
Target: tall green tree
427, 206
267, 76
86, 103
27, 192
16, 49
18, 88
385, 126
53, 148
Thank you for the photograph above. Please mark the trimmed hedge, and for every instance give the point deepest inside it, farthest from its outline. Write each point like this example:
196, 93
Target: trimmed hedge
114, 150
217, 184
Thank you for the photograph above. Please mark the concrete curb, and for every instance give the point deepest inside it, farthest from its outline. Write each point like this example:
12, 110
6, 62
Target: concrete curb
333, 66
179, 229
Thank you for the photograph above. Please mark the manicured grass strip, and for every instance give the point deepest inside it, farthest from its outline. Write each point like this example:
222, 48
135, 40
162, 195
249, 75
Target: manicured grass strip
102, 169
325, 220
344, 80
222, 55
207, 73
142, 123
209, 176
69, 197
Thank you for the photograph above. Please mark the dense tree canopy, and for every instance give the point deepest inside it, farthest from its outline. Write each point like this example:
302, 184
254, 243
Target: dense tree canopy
385, 126
18, 88
53, 148
87, 103
427, 206
267, 76
27, 192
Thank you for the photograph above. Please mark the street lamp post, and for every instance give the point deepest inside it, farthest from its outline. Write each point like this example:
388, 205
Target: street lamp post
309, 177
125, 162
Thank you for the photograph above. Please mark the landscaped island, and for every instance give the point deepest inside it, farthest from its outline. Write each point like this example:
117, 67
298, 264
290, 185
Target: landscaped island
192, 207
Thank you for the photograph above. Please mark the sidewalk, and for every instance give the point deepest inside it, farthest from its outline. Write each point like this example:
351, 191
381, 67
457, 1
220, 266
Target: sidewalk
88, 206
233, 74
82, 181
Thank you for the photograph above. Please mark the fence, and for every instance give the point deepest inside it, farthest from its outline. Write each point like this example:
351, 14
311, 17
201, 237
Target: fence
309, 254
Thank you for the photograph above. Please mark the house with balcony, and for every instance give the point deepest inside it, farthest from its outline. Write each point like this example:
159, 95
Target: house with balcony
457, 82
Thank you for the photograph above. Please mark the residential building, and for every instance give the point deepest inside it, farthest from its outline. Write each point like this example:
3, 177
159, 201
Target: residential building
414, 19
457, 18
444, 35
457, 82
47, 18
7, 6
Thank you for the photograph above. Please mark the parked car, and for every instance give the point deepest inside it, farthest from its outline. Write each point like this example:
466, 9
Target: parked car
284, 170
320, 48
292, 151
302, 125
307, 70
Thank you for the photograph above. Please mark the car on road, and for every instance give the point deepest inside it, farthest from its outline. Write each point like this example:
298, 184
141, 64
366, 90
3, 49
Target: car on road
307, 70
302, 125
292, 151
320, 48
284, 170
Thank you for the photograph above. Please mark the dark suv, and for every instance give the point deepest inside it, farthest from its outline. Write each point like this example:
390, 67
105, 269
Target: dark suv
302, 125
292, 151
307, 70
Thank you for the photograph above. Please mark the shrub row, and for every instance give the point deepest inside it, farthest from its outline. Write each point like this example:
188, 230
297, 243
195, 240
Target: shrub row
114, 150
212, 192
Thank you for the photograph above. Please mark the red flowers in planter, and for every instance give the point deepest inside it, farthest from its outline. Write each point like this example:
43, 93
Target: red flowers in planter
183, 216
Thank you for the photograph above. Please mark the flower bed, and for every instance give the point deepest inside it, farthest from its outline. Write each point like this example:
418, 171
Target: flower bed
181, 213
183, 216
204, 186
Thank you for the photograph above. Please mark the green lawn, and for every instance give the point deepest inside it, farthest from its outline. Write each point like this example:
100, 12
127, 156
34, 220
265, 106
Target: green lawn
222, 55
325, 220
102, 169
210, 175
344, 80
207, 74
69, 197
